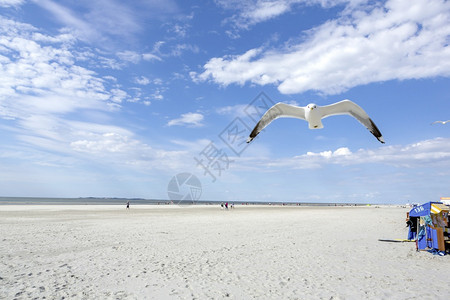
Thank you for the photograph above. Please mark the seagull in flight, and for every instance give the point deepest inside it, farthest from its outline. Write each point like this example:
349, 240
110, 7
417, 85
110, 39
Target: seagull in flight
442, 122
314, 114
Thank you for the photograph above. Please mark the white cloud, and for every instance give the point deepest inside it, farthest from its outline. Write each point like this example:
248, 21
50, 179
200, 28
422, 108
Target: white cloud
157, 95
54, 134
158, 81
431, 153
135, 57
80, 27
188, 119
267, 10
329, 154
179, 30
261, 11
238, 110
401, 40
118, 95
142, 80
63, 143
99, 21
11, 3
179, 49
43, 89
111, 78
39, 78
249, 110
158, 92
130, 56
163, 49
107, 142
157, 46
251, 12
150, 57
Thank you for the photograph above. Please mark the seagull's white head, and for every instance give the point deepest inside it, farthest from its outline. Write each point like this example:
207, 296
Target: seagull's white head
311, 106
313, 116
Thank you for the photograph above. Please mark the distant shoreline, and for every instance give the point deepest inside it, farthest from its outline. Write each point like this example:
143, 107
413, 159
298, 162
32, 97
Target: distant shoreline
138, 201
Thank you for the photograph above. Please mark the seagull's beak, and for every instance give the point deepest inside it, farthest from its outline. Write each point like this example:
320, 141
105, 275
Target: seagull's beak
312, 108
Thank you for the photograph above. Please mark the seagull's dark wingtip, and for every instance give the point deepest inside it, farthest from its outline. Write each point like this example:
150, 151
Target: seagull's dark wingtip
376, 132
254, 133
380, 138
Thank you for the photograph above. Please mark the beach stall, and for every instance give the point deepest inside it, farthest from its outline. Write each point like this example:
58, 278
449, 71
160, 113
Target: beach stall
445, 200
429, 226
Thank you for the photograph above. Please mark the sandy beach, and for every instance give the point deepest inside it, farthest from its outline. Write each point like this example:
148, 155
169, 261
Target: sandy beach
203, 252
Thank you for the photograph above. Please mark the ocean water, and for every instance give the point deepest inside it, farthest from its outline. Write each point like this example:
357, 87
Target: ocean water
76, 201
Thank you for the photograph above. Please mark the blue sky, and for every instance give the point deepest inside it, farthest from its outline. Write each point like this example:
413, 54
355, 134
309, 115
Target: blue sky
113, 99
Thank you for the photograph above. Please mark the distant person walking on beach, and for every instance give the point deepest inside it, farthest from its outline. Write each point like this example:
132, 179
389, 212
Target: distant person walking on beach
128, 204
226, 205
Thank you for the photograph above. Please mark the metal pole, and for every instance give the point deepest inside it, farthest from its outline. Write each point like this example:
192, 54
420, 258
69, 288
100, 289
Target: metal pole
417, 233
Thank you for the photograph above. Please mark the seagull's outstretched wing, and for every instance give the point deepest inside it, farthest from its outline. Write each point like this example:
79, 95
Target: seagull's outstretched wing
279, 110
347, 107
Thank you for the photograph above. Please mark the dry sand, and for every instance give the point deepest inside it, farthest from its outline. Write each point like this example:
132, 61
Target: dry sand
161, 252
